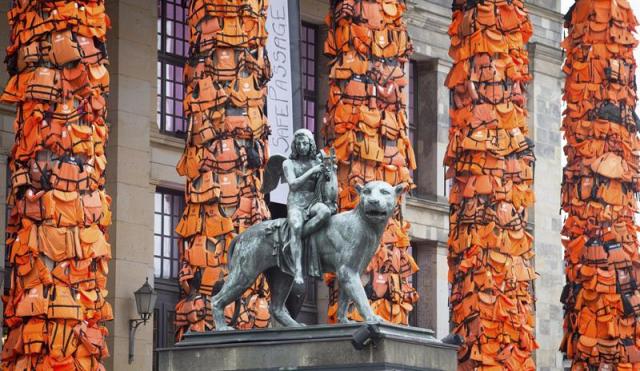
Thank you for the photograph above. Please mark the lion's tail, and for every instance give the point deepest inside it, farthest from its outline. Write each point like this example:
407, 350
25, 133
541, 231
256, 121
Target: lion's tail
236, 312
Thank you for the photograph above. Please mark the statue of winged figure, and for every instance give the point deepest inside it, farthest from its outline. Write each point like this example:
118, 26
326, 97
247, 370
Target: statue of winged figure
312, 196
342, 243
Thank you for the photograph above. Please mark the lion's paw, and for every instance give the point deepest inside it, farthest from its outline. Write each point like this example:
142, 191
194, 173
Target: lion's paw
345, 320
224, 328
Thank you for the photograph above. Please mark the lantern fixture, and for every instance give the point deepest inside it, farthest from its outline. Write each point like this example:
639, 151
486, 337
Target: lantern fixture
145, 298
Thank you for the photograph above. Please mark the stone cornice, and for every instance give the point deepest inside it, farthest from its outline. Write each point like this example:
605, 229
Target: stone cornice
545, 52
428, 16
542, 57
165, 140
544, 12
426, 204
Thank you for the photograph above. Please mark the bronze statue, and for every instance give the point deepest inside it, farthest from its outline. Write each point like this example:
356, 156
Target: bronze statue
301, 172
343, 243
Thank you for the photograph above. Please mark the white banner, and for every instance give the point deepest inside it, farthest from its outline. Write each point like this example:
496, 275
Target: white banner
280, 97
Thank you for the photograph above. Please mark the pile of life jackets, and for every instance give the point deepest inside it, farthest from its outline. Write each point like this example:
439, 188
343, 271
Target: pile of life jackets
59, 211
490, 163
600, 185
226, 149
366, 123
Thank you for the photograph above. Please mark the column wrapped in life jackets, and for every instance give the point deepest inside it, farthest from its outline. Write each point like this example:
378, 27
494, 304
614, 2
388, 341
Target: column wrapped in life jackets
226, 79
57, 239
600, 186
490, 163
366, 124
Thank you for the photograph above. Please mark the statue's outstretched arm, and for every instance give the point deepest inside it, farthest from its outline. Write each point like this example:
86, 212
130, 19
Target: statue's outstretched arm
290, 175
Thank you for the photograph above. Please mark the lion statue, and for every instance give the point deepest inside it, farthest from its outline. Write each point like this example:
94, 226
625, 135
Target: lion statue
344, 245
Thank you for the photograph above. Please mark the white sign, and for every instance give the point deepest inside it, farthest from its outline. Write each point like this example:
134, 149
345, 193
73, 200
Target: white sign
280, 97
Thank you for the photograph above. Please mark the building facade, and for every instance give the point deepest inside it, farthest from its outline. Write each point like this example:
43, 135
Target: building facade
148, 44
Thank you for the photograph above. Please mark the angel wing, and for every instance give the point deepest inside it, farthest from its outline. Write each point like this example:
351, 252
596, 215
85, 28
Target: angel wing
273, 173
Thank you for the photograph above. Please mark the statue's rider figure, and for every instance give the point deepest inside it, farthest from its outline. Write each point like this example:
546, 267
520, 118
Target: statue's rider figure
306, 210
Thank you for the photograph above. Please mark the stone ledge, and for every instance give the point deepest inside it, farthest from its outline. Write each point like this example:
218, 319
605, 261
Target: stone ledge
323, 347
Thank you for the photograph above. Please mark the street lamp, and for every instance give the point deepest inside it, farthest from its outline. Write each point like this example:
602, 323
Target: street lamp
145, 302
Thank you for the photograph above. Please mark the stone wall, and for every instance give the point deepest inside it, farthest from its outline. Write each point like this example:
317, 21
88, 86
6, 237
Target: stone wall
545, 108
132, 110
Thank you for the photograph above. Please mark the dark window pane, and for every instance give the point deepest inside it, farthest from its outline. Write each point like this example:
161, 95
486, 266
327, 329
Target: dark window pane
174, 268
180, 14
169, 206
170, 11
166, 268
157, 246
308, 45
166, 246
157, 224
157, 268
169, 123
173, 44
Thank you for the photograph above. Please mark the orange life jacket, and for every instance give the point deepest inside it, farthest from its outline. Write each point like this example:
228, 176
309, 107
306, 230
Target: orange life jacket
247, 93
228, 155
90, 53
63, 304
66, 175
34, 335
57, 243
215, 224
259, 308
45, 84
237, 126
93, 243
32, 205
13, 345
91, 338
92, 207
204, 95
34, 302
37, 274
99, 77
76, 81
211, 276
225, 63
62, 341
66, 208
32, 54
206, 32
202, 129
232, 34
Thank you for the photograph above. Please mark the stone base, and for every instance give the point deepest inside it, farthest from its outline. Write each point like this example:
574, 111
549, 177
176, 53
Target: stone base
323, 347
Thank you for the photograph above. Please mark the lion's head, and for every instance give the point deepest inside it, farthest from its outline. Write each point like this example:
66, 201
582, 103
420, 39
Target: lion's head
377, 200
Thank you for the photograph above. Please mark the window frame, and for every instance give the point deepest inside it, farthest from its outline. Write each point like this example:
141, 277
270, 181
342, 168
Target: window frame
412, 107
308, 95
168, 290
166, 59
174, 216
6, 269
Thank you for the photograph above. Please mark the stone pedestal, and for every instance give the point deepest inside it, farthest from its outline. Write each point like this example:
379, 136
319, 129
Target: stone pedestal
324, 347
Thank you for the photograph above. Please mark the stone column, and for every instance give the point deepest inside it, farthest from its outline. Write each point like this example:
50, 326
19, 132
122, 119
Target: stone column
322, 86
7, 115
432, 123
132, 108
545, 97
432, 309
545, 93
